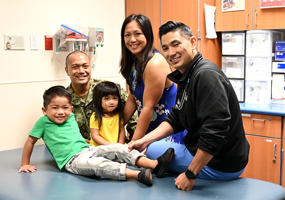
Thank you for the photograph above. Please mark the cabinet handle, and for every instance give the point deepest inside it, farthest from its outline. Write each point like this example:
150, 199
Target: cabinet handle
274, 155
247, 19
261, 120
255, 18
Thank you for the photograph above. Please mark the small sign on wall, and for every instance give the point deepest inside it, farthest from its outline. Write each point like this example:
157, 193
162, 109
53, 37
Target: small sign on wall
232, 5
272, 3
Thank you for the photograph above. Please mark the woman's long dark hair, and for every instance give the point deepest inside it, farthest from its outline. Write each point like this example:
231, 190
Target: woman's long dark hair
101, 90
148, 52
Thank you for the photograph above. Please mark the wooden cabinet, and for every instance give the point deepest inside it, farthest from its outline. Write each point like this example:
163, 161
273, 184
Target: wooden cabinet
283, 158
270, 18
234, 20
186, 8
283, 165
262, 125
159, 12
264, 159
263, 133
150, 8
251, 18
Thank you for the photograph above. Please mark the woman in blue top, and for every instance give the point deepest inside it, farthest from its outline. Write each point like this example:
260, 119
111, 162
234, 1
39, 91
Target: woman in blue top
145, 71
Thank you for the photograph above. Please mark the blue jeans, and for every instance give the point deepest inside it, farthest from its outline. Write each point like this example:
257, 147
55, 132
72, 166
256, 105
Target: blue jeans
100, 161
183, 158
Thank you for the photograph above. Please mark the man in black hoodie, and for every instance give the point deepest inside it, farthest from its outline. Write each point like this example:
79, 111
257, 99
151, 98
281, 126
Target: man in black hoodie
207, 107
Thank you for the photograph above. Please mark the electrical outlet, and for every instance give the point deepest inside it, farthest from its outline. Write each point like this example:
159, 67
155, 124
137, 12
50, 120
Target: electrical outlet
34, 42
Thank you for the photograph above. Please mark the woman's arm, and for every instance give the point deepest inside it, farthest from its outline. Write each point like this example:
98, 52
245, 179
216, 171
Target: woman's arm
122, 134
155, 79
97, 138
130, 108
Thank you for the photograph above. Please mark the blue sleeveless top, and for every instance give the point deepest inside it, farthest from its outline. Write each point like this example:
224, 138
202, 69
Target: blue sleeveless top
162, 108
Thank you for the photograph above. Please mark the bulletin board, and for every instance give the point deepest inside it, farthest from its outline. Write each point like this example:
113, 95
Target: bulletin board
272, 3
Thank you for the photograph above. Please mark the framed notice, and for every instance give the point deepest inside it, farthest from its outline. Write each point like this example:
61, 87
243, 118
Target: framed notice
272, 3
232, 5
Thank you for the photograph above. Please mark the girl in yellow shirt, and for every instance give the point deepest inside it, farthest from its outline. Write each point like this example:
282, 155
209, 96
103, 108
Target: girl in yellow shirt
106, 122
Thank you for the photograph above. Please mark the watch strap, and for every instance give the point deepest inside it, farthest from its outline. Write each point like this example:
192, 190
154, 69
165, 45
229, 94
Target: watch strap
190, 174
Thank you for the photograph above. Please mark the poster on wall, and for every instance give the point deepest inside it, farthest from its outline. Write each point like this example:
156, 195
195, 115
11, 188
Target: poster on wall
232, 5
272, 3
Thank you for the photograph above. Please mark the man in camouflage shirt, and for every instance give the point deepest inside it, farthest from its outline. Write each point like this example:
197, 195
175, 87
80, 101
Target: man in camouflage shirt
78, 68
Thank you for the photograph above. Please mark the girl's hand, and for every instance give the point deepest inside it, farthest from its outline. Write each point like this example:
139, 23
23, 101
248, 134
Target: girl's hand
27, 168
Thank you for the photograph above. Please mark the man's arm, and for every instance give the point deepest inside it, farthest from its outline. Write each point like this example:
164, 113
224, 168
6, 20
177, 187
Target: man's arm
27, 152
199, 161
162, 131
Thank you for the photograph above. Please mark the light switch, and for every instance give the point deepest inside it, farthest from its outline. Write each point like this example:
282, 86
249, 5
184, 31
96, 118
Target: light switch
34, 42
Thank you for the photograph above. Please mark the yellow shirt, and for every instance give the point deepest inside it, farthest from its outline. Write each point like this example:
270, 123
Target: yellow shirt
109, 129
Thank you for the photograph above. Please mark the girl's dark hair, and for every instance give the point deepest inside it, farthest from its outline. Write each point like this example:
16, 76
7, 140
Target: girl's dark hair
54, 91
148, 52
101, 90
171, 26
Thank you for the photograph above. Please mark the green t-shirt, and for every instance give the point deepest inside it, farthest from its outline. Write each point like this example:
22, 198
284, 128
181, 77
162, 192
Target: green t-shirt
62, 140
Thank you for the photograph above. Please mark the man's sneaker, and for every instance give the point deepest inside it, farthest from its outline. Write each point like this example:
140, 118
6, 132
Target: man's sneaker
163, 162
145, 177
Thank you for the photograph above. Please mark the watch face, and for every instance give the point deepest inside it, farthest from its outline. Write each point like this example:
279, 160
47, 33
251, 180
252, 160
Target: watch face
190, 174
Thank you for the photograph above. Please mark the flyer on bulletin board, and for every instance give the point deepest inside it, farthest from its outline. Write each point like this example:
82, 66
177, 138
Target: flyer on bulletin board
272, 3
232, 5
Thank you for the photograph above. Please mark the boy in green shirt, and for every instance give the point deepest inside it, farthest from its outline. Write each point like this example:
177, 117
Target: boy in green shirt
62, 137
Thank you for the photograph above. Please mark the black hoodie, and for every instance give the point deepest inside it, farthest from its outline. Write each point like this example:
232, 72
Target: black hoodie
207, 107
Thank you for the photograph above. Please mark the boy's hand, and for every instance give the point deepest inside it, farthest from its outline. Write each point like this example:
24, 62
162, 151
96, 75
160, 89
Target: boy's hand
27, 168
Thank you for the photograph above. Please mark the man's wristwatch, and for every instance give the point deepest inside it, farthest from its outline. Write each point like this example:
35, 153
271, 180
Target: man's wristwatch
190, 174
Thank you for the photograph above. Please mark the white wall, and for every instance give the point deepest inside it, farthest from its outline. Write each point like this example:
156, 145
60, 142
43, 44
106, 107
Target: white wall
25, 74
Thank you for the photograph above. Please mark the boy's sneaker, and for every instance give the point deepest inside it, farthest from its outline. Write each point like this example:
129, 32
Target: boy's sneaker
163, 162
145, 177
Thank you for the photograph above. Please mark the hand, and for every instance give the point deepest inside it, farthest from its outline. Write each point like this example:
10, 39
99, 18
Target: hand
137, 144
183, 183
27, 168
87, 141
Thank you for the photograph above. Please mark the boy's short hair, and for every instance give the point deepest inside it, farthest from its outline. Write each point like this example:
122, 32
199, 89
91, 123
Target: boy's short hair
171, 26
54, 91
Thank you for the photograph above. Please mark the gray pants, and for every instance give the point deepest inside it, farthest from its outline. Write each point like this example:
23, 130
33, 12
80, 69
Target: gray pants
100, 161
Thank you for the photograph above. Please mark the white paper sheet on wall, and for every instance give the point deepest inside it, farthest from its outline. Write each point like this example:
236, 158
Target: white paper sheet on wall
210, 21
277, 86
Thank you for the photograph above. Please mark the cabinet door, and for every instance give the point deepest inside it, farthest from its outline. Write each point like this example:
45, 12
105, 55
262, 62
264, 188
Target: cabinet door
234, 20
261, 163
150, 8
181, 11
283, 166
269, 18
263, 125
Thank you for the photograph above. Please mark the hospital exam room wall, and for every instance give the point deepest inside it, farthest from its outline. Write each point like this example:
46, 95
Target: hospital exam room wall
25, 74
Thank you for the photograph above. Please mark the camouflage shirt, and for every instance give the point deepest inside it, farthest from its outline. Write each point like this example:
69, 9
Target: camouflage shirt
83, 110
